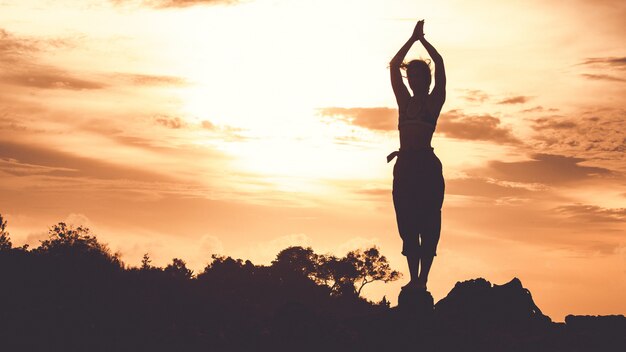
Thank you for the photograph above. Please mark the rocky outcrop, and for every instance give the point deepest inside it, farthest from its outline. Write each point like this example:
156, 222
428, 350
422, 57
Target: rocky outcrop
478, 302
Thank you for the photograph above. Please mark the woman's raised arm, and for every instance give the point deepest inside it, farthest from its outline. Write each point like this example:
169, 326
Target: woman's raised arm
439, 91
399, 89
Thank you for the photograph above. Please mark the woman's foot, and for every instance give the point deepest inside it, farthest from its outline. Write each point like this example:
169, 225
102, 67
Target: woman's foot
415, 285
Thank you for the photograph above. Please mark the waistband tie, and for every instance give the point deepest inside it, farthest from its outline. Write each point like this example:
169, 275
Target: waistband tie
408, 151
392, 156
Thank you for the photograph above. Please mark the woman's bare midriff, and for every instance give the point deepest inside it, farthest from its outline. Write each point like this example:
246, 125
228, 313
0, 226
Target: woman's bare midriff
415, 137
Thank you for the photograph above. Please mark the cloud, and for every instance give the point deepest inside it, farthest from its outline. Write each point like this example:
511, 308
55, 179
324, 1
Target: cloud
546, 169
593, 213
380, 118
355, 243
520, 99
619, 62
602, 77
208, 125
76, 220
614, 65
34, 239
210, 245
375, 192
163, 4
48, 78
553, 124
14, 167
224, 132
13, 49
539, 108
486, 187
151, 80
169, 121
475, 95
455, 124
597, 134
23, 67
43, 160
537, 223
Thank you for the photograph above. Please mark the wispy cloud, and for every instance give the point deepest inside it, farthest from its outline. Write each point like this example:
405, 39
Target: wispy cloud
23, 67
13, 49
150, 80
163, 4
590, 134
545, 169
539, 108
553, 124
520, 99
602, 77
475, 95
14, 167
380, 118
487, 187
41, 160
170, 121
619, 62
593, 213
46, 78
610, 68
455, 124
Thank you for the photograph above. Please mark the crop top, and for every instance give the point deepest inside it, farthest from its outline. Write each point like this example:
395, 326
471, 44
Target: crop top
419, 115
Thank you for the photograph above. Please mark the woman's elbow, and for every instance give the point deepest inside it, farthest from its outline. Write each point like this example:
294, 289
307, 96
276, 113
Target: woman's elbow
395, 63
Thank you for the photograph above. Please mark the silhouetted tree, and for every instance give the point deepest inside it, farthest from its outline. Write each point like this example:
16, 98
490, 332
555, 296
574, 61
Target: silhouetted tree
145, 262
325, 270
178, 269
297, 261
65, 295
69, 241
384, 302
5, 239
357, 268
371, 266
226, 269
339, 274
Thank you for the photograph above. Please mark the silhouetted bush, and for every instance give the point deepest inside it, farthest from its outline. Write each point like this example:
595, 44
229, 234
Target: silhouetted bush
72, 294
5, 239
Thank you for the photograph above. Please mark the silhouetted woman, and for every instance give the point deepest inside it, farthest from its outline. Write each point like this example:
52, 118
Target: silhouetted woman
418, 184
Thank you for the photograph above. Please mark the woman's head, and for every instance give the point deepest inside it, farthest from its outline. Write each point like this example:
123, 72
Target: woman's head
418, 74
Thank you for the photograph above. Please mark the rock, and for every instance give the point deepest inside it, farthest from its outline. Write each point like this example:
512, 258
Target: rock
606, 324
416, 302
476, 303
596, 333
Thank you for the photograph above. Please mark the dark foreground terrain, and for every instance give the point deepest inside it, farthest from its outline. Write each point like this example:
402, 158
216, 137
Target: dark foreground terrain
72, 294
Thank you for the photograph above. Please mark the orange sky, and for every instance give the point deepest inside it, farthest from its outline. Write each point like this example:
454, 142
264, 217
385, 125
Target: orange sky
185, 128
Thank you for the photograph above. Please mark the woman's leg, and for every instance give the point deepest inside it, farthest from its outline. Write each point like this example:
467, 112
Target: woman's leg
410, 243
431, 232
408, 229
414, 265
427, 262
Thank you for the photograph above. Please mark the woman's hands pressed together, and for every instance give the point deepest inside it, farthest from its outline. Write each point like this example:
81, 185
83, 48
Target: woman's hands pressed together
418, 32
